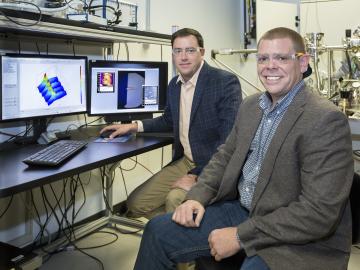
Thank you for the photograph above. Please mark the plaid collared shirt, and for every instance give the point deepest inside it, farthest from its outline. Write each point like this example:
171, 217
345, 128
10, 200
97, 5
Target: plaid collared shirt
271, 119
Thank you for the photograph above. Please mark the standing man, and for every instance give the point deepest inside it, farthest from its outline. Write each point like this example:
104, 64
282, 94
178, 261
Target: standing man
202, 103
278, 189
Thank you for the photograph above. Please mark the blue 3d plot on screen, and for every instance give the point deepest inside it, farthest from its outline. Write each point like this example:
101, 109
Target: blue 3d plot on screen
51, 89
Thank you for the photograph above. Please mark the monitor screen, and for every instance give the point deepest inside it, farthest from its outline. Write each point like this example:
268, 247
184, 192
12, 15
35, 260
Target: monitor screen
42, 85
126, 91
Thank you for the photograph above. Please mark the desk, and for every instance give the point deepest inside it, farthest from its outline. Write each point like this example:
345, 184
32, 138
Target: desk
15, 176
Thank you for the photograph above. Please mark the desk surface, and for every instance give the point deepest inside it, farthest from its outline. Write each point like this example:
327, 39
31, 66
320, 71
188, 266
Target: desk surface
15, 176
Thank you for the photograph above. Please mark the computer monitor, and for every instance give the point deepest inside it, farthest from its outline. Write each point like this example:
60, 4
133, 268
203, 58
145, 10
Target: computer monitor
127, 90
39, 86
34, 87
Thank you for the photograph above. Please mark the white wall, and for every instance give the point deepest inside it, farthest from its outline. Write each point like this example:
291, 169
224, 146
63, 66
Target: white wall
330, 18
218, 21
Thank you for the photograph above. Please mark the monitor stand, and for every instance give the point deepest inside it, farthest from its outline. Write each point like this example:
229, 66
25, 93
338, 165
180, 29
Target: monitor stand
126, 118
39, 126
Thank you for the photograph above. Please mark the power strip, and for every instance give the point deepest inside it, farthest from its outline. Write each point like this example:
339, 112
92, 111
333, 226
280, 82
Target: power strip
87, 18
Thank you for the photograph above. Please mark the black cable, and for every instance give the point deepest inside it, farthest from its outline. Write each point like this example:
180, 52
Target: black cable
89, 6
37, 47
18, 23
73, 48
117, 20
118, 4
89, 179
123, 179
118, 51
127, 170
89, 255
104, 188
112, 178
53, 213
40, 233
49, 121
127, 51
76, 182
12, 136
162, 157
7, 207
85, 119
69, 230
43, 200
88, 124
349, 64
103, 245
143, 166
58, 201
129, 232
71, 242
70, 206
68, 4
67, 206
161, 52
28, 128
117, 12
101, 6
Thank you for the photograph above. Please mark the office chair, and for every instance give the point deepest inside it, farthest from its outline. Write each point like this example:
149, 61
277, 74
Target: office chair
234, 262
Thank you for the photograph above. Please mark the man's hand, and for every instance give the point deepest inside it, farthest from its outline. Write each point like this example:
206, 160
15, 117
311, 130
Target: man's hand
185, 182
223, 243
120, 129
184, 214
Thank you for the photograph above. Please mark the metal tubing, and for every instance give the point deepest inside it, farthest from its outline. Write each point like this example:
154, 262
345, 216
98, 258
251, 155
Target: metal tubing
329, 60
238, 75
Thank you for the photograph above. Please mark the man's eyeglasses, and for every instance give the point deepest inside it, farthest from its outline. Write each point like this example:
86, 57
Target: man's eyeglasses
188, 51
281, 59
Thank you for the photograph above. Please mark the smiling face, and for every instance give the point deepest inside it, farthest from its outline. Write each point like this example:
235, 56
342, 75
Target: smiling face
280, 77
187, 64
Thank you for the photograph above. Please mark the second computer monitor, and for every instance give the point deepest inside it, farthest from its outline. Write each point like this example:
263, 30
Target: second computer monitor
125, 91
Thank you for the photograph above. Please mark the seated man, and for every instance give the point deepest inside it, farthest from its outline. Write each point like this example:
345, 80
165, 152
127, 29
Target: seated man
202, 103
277, 189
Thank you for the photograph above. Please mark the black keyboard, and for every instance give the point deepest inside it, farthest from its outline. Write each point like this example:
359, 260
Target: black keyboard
56, 153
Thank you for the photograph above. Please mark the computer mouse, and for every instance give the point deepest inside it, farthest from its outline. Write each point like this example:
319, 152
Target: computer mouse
106, 134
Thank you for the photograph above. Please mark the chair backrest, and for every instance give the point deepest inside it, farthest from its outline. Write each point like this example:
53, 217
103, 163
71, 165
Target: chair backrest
355, 208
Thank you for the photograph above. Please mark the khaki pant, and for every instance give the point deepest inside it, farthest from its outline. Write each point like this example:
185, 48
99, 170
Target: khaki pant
155, 196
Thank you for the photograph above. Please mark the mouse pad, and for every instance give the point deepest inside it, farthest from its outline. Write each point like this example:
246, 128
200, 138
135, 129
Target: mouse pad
123, 138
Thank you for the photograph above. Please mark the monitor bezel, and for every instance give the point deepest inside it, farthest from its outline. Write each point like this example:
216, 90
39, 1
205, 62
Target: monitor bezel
15, 55
129, 116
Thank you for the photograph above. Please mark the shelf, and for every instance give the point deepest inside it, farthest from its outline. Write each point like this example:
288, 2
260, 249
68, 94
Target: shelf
63, 28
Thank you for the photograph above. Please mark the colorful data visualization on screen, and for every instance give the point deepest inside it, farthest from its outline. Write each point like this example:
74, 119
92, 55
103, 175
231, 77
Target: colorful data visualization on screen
42, 85
48, 84
51, 89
